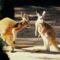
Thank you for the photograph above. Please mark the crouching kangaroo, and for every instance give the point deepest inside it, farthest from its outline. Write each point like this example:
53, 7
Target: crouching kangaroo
46, 32
9, 29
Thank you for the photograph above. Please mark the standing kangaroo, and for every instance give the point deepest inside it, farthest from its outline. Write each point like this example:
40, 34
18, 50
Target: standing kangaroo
46, 32
9, 28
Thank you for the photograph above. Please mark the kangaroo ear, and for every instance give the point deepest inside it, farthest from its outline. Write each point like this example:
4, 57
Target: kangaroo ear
43, 14
37, 13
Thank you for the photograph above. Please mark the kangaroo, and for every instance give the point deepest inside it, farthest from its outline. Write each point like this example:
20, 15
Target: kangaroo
46, 32
9, 29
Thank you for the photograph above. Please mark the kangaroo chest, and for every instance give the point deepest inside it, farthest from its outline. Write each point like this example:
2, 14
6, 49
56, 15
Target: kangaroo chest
42, 31
40, 28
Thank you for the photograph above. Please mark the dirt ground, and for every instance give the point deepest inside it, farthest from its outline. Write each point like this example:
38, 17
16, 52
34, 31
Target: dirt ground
21, 55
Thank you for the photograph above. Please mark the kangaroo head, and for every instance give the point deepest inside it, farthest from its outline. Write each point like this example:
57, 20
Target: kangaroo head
40, 17
24, 23
25, 20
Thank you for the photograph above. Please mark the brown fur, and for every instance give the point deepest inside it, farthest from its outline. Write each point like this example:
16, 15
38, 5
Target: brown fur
45, 28
9, 31
47, 32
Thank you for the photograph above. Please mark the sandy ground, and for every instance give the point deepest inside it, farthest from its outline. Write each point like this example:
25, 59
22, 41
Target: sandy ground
21, 55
